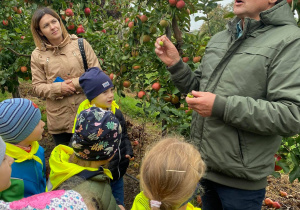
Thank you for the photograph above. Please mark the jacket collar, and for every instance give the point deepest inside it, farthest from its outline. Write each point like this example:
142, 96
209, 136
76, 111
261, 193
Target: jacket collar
278, 15
57, 48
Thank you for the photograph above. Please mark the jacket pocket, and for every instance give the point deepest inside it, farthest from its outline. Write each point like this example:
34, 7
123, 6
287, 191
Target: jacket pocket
242, 148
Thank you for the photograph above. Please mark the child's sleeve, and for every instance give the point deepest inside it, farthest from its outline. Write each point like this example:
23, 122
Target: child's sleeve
125, 138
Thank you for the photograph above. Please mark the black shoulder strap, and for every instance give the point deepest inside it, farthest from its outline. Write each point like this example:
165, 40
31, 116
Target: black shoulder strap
81, 48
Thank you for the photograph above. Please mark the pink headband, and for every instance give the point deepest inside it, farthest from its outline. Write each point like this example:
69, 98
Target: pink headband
154, 203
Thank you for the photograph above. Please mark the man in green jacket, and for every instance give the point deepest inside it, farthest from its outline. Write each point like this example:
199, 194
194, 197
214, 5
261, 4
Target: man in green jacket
246, 97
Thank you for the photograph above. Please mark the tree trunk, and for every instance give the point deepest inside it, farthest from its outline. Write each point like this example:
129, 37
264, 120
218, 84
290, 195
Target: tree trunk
16, 92
177, 35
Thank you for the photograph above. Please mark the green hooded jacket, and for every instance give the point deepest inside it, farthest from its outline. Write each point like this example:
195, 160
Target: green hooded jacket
256, 78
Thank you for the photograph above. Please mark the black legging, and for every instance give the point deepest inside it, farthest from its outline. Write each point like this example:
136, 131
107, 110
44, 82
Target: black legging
62, 138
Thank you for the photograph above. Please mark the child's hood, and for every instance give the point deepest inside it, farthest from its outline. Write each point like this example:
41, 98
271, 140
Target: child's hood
61, 169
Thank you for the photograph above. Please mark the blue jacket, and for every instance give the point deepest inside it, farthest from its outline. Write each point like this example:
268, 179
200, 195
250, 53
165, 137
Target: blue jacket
28, 178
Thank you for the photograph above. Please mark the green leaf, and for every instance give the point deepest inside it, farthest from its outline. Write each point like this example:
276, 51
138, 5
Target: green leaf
295, 173
18, 30
229, 15
276, 174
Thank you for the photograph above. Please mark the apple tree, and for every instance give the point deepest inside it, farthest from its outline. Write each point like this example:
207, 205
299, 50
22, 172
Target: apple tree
122, 33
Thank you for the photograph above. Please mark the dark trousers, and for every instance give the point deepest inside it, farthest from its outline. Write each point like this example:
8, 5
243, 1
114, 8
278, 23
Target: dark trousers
62, 138
221, 197
117, 188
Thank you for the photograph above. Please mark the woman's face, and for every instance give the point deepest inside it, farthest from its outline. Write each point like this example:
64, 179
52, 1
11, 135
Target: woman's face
50, 28
5, 172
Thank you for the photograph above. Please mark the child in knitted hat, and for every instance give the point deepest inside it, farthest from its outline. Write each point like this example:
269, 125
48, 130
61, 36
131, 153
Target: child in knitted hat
52, 200
82, 168
99, 91
21, 128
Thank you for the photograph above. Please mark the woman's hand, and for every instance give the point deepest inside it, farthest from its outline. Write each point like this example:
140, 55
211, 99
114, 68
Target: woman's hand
67, 88
166, 51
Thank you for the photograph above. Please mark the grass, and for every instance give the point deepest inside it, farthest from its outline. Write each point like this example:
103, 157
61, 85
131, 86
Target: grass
5, 95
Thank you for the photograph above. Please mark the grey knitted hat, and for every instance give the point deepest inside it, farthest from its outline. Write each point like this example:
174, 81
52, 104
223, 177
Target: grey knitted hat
2, 150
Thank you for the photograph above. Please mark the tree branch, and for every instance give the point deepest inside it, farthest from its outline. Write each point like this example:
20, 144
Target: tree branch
19, 54
177, 35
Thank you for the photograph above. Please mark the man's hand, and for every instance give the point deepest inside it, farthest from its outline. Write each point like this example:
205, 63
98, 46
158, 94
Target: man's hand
67, 88
166, 51
202, 102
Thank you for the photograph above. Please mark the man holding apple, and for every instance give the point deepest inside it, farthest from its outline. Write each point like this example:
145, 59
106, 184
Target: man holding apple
246, 97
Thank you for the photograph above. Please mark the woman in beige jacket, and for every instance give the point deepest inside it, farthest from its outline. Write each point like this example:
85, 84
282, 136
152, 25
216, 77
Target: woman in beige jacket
57, 55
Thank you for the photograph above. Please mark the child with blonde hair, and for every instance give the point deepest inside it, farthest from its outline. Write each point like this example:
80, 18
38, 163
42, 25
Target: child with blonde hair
170, 174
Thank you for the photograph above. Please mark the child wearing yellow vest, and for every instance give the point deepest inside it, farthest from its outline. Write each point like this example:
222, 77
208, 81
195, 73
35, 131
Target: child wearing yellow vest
83, 167
98, 88
169, 176
21, 128
58, 199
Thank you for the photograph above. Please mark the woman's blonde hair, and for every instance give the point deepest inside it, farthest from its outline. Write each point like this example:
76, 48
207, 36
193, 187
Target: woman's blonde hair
35, 25
170, 172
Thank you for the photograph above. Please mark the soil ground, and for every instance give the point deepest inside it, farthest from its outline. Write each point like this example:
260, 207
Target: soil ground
146, 134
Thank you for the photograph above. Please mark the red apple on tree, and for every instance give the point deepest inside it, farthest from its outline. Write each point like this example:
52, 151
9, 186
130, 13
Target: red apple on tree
104, 31
19, 11
172, 2
185, 59
23, 69
130, 24
175, 99
71, 26
156, 86
289, 2
80, 30
196, 59
126, 83
141, 94
5, 22
277, 167
167, 98
111, 76
126, 20
22, 37
135, 67
180, 4
69, 12
15, 9
87, 11
143, 18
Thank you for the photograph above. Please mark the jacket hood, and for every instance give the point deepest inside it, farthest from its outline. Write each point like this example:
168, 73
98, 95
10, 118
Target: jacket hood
57, 48
61, 169
278, 15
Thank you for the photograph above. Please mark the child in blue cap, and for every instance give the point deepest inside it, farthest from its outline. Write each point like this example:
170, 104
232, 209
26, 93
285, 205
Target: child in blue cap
21, 128
99, 91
